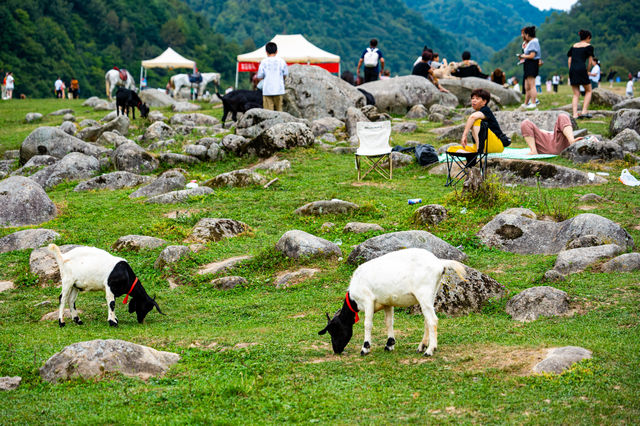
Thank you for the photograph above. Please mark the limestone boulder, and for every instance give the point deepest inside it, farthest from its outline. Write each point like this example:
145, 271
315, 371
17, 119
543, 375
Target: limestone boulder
321, 207
24, 202
158, 131
53, 141
535, 302
354, 115
119, 124
417, 111
361, 227
170, 255
531, 172
463, 87
431, 214
131, 157
180, 196
92, 359
299, 244
156, 98
625, 119
10, 383
44, 265
235, 143
184, 107
545, 120
323, 125
113, 139
628, 139
195, 117
273, 165
236, 178
73, 166
112, 181
257, 120
228, 283
397, 95
386, 243
214, 229
313, 93
35, 164
62, 111
560, 359
197, 151
586, 150
627, 262
604, 97
633, 103
578, 259
33, 116
171, 180
68, 127
175, 159
27, 239
280, 137
137, 243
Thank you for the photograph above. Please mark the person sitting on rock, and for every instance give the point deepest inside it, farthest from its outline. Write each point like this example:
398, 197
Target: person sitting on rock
468, 67
423, 69
544, 142
496, 139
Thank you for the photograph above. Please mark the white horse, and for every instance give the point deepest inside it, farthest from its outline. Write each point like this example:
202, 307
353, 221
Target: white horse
112, 79
179, 81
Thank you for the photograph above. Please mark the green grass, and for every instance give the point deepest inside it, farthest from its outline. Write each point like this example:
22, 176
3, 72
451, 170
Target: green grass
253, 355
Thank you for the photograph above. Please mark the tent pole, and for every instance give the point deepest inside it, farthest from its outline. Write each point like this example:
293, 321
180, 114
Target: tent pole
237, 65
140, 81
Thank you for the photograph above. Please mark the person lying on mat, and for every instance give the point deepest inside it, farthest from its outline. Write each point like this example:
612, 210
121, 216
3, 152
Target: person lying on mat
496, 140
544, 142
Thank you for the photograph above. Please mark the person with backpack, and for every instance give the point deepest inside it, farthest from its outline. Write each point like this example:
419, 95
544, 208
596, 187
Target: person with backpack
74, 88
373, 62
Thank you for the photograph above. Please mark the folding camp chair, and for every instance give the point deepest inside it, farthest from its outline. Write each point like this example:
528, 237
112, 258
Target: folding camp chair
466, 160
374, 148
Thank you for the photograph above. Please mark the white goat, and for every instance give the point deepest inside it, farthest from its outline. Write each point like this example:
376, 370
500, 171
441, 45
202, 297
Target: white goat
400, 278
89, 268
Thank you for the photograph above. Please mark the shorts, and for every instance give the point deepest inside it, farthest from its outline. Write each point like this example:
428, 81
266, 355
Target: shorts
274, 103
530, 68
494, 144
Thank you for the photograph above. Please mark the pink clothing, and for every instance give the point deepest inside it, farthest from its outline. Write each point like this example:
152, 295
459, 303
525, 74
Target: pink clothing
548, 142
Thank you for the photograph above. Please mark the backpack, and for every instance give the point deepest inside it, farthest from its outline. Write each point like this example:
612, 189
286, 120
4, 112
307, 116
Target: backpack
426, 154
371, 57
74, 84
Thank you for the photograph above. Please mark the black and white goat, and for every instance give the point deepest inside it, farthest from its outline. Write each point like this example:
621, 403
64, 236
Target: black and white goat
89, 268
400, 278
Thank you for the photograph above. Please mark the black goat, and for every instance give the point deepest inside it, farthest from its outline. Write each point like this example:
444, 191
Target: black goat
239, 101
126, 99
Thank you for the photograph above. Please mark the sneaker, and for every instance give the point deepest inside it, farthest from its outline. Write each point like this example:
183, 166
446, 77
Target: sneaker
537, 101
531, 106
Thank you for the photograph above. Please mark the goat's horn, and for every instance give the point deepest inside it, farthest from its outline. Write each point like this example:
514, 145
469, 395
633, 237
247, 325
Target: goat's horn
328, 319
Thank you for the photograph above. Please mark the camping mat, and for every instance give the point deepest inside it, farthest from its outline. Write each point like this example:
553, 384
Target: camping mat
517, 153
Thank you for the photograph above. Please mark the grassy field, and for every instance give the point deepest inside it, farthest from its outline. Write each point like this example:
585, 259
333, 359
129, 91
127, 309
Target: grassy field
253, 355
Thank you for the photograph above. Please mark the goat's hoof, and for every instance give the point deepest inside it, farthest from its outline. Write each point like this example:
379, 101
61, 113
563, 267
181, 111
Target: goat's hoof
113, 323
61, 324
391, 342
77, 320
363, 352
429, 352
388, 348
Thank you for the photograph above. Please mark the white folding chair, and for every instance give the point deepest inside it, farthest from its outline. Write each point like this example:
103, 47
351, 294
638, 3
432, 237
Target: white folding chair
374, 148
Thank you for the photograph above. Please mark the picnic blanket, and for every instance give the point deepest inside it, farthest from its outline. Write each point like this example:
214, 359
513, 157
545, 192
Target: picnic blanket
516, 153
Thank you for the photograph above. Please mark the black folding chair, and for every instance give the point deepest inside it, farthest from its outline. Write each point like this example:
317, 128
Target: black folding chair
467, 160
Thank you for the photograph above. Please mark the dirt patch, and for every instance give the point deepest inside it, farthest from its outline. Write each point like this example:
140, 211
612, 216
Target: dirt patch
515, 360
587, 208
374, 184
175, 214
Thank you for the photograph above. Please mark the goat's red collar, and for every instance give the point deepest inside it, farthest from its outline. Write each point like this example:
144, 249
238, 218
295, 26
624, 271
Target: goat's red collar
351, 308
124, 302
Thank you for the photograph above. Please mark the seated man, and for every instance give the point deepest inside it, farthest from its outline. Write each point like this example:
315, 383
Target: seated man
496, 139
423, 68
468, 68
544, 142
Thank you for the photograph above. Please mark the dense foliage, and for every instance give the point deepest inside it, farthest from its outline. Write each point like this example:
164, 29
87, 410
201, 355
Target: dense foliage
43, 39
477, 19
343, 28
615, 25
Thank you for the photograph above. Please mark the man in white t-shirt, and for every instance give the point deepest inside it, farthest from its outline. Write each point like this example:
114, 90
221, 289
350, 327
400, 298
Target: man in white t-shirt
594, 75
555, 81
272, 71
9, 85
58, 86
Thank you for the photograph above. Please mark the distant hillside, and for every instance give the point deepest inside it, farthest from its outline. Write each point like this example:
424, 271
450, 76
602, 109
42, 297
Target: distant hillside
615, 25
493, 23
343, 28
42, 39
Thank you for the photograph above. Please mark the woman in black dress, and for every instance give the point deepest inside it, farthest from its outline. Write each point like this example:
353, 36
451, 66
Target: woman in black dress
578, 55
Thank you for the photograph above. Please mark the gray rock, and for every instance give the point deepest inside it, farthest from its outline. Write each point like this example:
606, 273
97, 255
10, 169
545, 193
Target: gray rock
578, 259
628, 139
131, 157
35, 164
625, 119
586, 241
353, 116
235, 143
33, 116
10, 383
92, 359
518, 234
91, 101
156, 98
397, 95
534, 302
633, 103
334, 206
24, 202
604, 97
171, 254
273, 165
87, 122
228, 283
170, 180
386, 243
223, 265
68, 117
236, 178
62, 112
417, 111
324, 125
510, 120
431, 214
173, 159
6, 286
530, 172
313, 93
175, 197
112, 181
288, 279
554, 276
436, 117
280, 137
112, 139
585, 150
215, 152
119, 124
560, 359
27, 239
137, 243
627, 262
399, 160
196, 118
198, 151
299, 244
591, 197
53, 141
257, 120
44, 265
361, 227
68, 127
463, 87
158, 131
184, 107
110, 116
102, 105
156, 116
73, 166
213, 229
409, 127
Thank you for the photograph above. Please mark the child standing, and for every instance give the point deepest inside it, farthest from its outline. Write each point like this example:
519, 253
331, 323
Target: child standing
630, 87
272, 70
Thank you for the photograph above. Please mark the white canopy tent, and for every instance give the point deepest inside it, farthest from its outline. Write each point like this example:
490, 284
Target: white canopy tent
168, 59
294, 49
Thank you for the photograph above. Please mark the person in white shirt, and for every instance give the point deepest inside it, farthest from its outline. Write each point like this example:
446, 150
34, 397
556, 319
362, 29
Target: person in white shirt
555, 80
594, 75
58, 87
9, 85
629, 90
272, 70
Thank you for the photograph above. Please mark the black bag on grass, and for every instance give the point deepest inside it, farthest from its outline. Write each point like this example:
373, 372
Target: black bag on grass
426, 154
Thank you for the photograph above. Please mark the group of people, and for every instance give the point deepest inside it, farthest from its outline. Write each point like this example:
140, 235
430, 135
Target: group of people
59, 88
8, 83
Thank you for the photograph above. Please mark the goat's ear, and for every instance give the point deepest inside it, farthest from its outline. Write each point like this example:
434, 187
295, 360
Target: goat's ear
156, 305
132, 305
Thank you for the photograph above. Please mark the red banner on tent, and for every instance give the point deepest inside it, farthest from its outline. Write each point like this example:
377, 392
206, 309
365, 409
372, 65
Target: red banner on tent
333, 67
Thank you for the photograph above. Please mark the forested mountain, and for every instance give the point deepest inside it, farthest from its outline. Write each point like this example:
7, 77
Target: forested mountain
43, 39
493, 23
343, 28
615, 25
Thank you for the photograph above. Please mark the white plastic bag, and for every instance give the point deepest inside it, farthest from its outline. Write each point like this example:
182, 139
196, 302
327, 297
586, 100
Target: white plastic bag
628, 179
